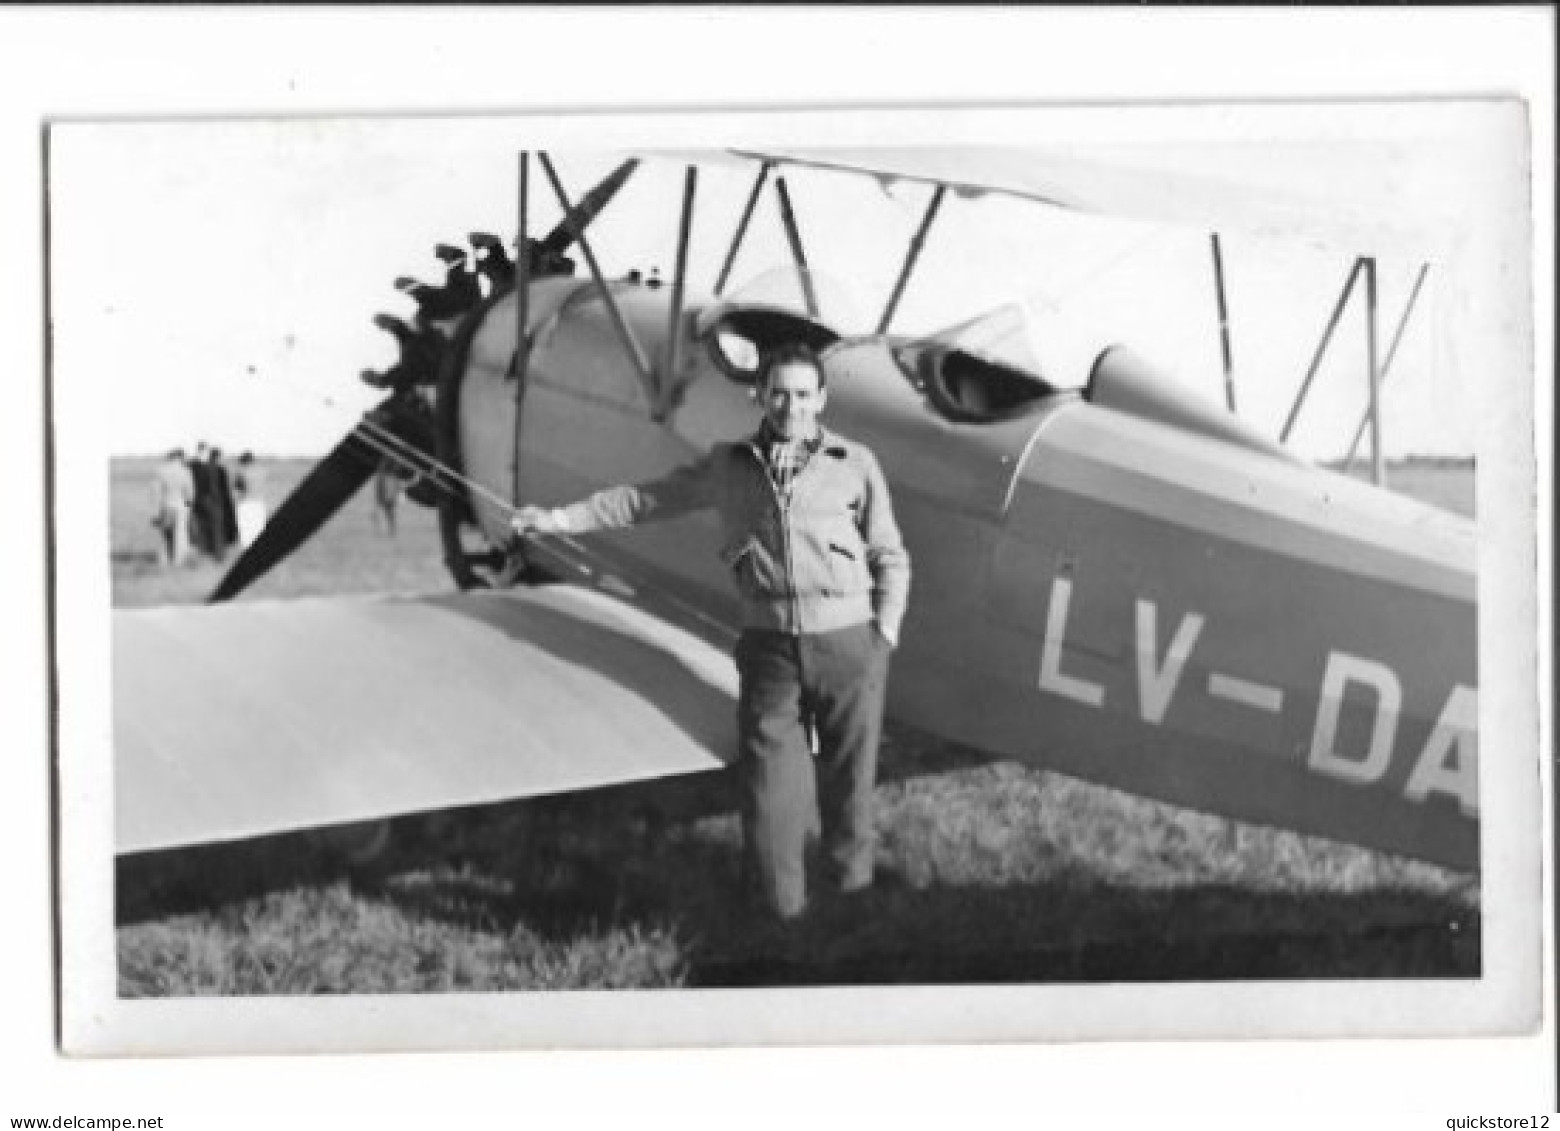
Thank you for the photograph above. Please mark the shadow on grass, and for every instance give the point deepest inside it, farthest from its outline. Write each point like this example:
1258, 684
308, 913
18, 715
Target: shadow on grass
665, 855
1071, 929
185, 881
1099, 932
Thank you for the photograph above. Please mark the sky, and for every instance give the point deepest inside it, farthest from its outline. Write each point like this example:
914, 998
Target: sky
216, 280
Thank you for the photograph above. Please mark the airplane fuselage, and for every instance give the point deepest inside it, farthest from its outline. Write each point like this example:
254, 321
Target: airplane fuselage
1138, 602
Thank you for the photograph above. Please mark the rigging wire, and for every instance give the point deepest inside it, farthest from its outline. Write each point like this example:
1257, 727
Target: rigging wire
440, 474
380, 439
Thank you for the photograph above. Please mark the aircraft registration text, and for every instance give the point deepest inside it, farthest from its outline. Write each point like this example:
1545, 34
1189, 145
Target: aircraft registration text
1349, 687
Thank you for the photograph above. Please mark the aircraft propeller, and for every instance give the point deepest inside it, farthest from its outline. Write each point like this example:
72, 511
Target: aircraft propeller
402, 424
493, 261
400, 421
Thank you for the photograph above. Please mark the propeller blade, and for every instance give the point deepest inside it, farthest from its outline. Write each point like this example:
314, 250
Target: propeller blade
323, 492
390, 324
488, 242
585, 210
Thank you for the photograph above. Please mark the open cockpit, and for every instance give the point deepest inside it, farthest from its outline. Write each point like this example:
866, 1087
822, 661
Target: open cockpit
981, 371
740, 337
779, 306
969, 389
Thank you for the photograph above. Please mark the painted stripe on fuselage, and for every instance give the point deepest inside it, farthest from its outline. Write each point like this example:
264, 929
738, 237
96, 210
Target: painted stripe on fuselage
1224, 491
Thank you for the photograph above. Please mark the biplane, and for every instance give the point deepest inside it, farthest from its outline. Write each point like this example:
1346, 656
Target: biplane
1113, 577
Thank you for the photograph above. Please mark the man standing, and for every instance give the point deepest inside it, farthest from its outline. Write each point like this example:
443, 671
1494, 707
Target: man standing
249, 493
387, 493
173, 493
810, 539
222, 515
200, 513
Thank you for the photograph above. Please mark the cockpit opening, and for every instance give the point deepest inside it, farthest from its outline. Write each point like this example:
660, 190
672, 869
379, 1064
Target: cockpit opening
779, 305
742, 336
979, 371
973, 390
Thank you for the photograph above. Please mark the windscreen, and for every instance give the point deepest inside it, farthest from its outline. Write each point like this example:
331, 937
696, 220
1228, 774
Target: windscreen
807, 294
1002, 335
982, 370
785, 304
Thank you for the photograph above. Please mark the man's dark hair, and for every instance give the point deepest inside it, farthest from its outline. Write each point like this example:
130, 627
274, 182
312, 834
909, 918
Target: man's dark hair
791, 353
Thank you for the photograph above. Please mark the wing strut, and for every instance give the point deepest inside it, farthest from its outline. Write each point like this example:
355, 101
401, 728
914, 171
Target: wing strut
794, 237
631, 344
522, 311
1378, 470
1321, 348
1377, 367
1224, 321
917, 242
1386, 365
742, 226
673, 359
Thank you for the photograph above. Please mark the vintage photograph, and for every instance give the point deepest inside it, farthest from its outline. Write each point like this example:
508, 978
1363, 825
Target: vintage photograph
1033, 556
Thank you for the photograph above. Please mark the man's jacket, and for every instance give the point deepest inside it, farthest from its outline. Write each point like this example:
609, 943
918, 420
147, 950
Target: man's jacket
831, 558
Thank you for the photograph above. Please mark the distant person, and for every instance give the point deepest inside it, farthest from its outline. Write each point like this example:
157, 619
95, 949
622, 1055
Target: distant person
200, 509
249, 491
221, 516
173, 494
387, 496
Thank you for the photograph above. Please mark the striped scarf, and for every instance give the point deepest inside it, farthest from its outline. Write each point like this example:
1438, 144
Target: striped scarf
785, 459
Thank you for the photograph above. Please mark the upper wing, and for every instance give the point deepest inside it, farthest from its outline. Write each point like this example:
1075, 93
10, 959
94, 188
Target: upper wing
261, 717
1358, 197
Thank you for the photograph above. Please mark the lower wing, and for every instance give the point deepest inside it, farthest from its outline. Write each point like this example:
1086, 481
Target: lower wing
243, 720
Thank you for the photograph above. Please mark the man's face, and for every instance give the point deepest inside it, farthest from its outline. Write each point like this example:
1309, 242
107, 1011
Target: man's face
793, 399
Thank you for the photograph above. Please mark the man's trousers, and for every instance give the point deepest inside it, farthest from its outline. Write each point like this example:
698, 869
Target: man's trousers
834, 681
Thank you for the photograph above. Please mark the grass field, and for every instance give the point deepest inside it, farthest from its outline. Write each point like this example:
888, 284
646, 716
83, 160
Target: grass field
996, 872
